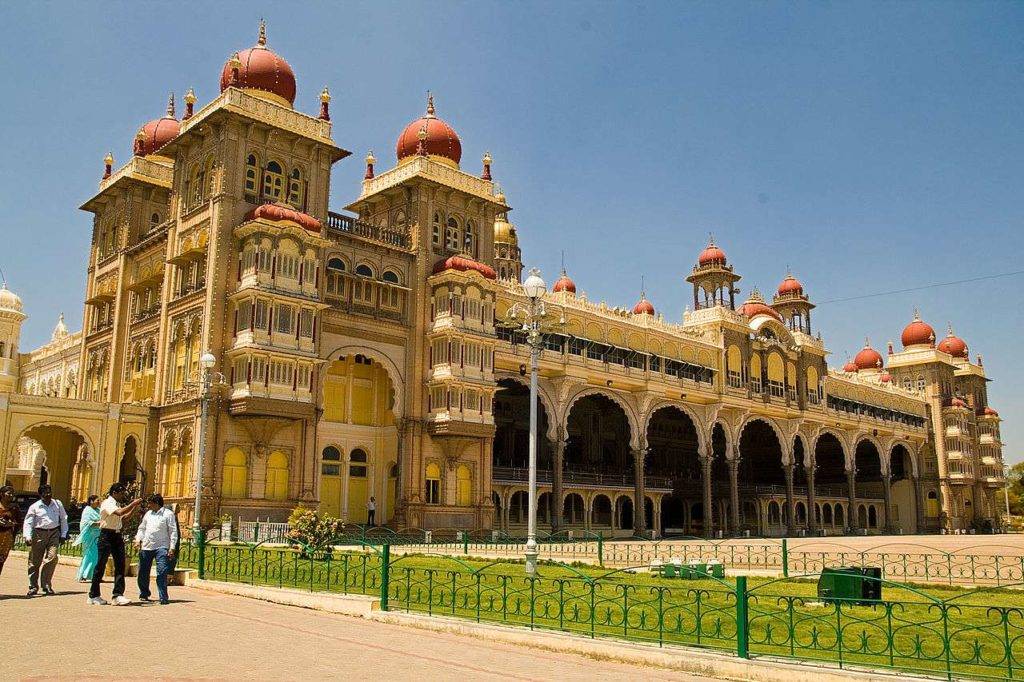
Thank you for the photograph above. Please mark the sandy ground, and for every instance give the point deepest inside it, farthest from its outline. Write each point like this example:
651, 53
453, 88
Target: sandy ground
208, 636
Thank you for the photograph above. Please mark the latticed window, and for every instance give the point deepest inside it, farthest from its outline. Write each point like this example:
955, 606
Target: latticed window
451, 235
296, 192
250, 175
336, 277
273, 181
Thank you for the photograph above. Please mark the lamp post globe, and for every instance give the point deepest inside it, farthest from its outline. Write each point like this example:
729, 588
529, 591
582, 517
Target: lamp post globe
534, 286
207, 360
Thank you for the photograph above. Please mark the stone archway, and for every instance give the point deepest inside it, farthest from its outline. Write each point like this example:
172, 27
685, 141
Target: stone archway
904, 490
55, 451
760, 472
869, 475
673, 453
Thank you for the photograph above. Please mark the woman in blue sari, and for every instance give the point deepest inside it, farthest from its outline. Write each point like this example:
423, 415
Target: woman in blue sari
88, 534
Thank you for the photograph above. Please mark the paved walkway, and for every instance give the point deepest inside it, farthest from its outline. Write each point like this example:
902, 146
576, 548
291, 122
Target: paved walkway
208, 636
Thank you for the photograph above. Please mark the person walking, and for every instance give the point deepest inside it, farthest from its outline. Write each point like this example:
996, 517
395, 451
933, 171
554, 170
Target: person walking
46, 524
88, 536
111, 543
371, 511
157, 540
10, 521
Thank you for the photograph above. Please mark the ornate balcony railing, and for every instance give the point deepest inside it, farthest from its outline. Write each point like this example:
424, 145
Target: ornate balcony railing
381, 235
625, 479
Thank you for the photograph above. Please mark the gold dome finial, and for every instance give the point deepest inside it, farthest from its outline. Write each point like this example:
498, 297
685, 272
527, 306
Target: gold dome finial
370, 158
430, 103
109, 159
262, 40
487, 158
236, 61
190, 96
325, 95
170, 105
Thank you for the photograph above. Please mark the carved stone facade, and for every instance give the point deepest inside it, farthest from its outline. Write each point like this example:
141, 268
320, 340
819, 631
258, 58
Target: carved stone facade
366, 354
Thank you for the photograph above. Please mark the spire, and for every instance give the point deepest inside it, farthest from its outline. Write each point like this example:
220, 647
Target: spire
60, 330
170, 105
370, 160
325, 103
430, 104
190, 100
486, 175
917, 315
262, 39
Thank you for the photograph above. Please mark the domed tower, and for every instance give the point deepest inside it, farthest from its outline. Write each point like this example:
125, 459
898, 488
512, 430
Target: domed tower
156, 133
507, 256
11, 317
793, 304
868, 359
261, 72
714, 282
429, 136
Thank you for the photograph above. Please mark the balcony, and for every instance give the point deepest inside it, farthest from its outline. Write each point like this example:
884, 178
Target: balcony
344, 224
578, 478
954, 455
988, 439
953, 431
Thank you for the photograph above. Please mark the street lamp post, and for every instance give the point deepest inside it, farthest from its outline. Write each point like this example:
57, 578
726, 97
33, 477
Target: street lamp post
530, 317
206, 363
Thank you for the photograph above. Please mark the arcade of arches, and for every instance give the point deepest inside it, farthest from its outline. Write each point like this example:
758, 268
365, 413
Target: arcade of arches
589, 482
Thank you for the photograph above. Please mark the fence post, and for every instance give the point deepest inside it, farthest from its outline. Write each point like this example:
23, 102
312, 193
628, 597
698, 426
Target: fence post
201, 544
600, 548
256, 532
385, 575
465, 542
742, 624
785, 559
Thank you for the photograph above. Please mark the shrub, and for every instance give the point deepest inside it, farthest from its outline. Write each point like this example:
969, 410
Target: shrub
313, 531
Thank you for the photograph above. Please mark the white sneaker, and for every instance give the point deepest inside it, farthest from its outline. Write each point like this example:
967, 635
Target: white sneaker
96, 601
121, 600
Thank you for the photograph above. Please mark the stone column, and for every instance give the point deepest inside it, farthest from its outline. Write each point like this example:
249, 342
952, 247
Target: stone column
709, 512
888, 526
790, 505
851, 511
639, 492
734, 492
556, 484
812, 516
919, 505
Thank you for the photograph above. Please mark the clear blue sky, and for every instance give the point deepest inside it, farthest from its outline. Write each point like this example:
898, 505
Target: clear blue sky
870, 147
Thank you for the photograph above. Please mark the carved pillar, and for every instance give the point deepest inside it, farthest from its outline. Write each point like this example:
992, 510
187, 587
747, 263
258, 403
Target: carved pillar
556, 484
851, 511
888, 526
709, 512
790, 505
734, 493
639, 492
919, 504
812, 504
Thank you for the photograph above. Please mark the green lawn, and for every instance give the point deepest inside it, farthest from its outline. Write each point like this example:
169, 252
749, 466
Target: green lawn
907, 631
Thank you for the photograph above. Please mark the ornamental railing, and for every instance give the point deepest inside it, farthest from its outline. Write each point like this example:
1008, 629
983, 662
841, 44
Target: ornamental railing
382, 235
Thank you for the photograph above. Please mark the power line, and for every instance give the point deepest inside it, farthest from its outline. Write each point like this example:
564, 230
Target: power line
923, 287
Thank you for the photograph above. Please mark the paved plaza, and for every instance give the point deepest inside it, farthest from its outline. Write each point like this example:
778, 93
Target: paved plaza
208, 636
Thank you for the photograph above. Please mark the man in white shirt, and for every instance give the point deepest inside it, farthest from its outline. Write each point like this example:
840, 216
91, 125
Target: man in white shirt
111, 543
371, 512
46, 524
156, 539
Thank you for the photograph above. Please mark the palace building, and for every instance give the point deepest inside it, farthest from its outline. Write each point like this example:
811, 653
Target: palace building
366, 352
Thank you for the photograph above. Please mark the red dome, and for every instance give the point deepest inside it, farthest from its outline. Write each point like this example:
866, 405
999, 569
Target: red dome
564, 283
791, 285
260, 69
953, 345
885, 378
850, 366
989, 412
158, 132
277, 212
918, 333
465, 264
440, 139
868, 358
711, 255
643, 307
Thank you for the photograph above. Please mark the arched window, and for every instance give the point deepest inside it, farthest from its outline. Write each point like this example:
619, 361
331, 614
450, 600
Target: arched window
390, 276
470, 238
197, 183
357, 463
335, 277
154, 220
435, 234
277, 476
250, 176
390, 295
273, 181
463, 486
432, 493
364, 270
363, 290
235, 474
451, 235
296, 190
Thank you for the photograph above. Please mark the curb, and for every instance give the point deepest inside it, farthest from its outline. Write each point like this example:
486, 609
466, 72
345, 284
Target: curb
682, 659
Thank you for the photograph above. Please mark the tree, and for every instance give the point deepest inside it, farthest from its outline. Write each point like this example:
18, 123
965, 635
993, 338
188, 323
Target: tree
1016, 489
